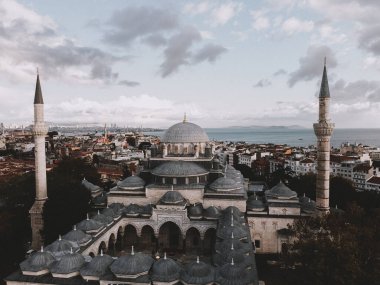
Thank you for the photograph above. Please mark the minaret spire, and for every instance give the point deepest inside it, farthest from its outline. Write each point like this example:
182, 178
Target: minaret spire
39, 132
323, 130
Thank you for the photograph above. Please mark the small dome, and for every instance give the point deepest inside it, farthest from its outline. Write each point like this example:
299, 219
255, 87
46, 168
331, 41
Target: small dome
104, 219
89, 186
198, 272
195, 211
308, 206
232, 274
179, 168
212, 213
281, 191
38, 262
133, 210
97, 266
172, 198
61, 246
100, 200
90, 226
224, 184
78, 236
132, 266
166, 270
69, 263
131, 183
118, 208
185, 132
255, 204
110, 212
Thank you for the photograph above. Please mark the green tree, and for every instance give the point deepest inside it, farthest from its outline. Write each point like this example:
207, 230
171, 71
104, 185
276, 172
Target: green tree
68, 201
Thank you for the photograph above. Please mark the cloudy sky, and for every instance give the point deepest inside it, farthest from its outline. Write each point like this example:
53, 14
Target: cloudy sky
222, 62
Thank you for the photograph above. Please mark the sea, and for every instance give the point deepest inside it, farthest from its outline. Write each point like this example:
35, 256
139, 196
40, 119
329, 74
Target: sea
292, 137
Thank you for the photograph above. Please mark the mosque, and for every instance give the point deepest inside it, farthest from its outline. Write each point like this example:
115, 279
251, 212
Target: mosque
184, 219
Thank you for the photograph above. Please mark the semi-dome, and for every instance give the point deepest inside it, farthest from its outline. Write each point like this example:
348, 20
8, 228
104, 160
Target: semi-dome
172, 198
38, 263
78, 236
198, 272
179, 169
132, 266
97, 267
281, 191
166, 270
224, 184
131, 182
69, 265
185, 132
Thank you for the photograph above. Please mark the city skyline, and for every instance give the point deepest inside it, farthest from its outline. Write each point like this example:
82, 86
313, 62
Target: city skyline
224, 63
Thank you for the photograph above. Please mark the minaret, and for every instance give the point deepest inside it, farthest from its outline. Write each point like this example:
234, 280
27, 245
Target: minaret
323, 130
39, 132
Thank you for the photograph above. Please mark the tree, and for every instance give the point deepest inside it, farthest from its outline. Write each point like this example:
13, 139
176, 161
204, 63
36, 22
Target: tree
339, 248
68, 201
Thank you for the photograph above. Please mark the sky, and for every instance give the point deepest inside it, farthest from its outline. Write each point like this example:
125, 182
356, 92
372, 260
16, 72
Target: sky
224, 63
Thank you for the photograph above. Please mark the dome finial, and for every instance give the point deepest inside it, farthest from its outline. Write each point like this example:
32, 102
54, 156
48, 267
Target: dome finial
165, 255
101, 252
232, 221
59, 237
71, 250
75, 227
232, 246
172, 189
42, 248
184, 118
88, 217
133, 250
198, 259
98, 212
232, 235
232, 261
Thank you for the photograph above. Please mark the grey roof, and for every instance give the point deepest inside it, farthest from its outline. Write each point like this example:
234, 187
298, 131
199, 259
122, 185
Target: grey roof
212, 213
166, 270
38, 261
172, 197
69, 263
179, 169
225, 231
100, 199
78, 236
324, 91
198, 272
132, 264
238, 245
133, 210
38, 93
131, 182
281, 191
255, 204
117, 207
232, 274
308, 206
185, 132
225, 257
97, 266
110, 212
225, 184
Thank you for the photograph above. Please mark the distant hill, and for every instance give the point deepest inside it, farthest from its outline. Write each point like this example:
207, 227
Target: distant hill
291, 127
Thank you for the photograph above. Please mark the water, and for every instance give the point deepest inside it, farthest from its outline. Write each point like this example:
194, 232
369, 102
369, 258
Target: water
296, 137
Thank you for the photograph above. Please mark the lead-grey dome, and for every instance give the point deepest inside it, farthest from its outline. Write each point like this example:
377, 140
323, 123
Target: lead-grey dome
69, 263
232, 274
198, 272
179, 169
212, 213
38, 262
97, 266
131, 182
224, 184
172, 198
166, 270
132, 266
185, 132
78, 236
255, 204
281, 191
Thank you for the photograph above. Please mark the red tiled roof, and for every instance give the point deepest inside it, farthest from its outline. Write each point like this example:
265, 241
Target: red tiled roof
374, 180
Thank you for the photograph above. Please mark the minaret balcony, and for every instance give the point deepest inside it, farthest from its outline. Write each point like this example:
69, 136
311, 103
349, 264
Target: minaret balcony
40, 129
323, 129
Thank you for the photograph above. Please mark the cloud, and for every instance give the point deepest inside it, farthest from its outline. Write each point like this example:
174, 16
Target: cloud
260, 21
32, 40
208, 53
263, 83
128, 83
195, 9
132, 23
280, 72
352, 92
310, 66
369, 39
225, 12
293, 25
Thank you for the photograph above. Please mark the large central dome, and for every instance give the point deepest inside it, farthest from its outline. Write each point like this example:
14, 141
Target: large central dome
185, 132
